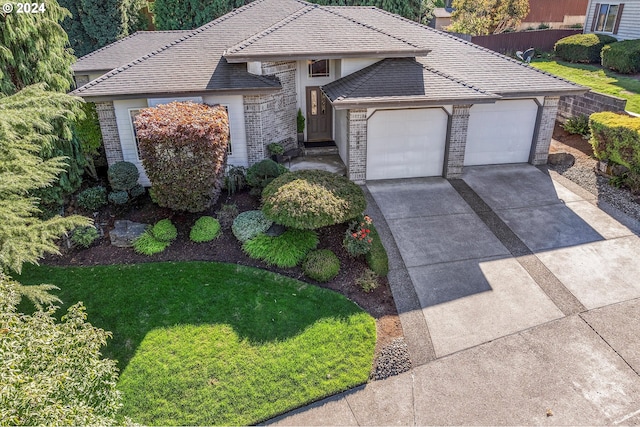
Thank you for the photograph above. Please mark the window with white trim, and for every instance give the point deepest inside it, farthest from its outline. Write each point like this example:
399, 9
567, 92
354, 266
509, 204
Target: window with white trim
133, 112
605, 17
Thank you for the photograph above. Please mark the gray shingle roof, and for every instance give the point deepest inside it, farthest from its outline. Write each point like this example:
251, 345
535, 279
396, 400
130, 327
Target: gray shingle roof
285, 30
394, 82
125, 50
194, 63
322, 33
475, 65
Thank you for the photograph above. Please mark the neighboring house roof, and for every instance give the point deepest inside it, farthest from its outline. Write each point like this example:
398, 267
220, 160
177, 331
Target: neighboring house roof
441, 12
322, 33
204, 59
125, 50
401, 82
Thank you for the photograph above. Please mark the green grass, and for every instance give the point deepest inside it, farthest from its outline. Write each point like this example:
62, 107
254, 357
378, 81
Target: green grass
598, 79
209, 343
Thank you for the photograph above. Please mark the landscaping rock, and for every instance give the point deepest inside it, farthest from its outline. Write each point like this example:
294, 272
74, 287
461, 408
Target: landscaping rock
393, 360
561, 159
275, 230
125, 232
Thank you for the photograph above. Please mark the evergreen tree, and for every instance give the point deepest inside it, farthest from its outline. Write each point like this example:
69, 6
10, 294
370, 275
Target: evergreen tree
190, 14
93, 24
34, 49
29, 120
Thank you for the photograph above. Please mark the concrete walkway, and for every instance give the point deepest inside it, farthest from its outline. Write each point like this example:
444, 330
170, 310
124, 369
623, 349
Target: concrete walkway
519, 300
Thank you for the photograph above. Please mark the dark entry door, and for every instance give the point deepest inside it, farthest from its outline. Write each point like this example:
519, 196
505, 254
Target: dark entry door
319, 115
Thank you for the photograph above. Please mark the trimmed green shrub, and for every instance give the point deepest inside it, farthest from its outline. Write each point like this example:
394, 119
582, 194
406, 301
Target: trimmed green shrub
92, 198
147, 244
623, 56
249, 224
321, 265
368, 280
119, 197
164, 231
262, 173
616, 138
123, 176
310, 199
286, 250
205, 229
377, 257
183, 146
577, 125
582, 47
84, 236
136, 191
275, 148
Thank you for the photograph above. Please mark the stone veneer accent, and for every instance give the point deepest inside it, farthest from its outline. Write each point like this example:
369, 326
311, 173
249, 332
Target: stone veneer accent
456, 141
272, 117
110, 136
544, 131
589, 103
357, 145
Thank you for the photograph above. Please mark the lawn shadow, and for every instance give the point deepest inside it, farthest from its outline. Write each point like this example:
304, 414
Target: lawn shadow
132, 300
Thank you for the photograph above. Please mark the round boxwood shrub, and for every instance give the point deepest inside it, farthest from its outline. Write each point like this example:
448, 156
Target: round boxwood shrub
205, 229
285, 250
623, 56
136, 191
119, 197
92, 198
123, 176
582, 47
321, 265
249, 224
262, 173
164, 231
310, 199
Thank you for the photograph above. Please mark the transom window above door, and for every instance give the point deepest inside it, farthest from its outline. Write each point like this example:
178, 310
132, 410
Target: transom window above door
318, 68
606, 17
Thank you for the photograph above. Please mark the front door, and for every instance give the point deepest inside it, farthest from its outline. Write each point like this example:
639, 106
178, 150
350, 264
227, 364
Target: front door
319, 115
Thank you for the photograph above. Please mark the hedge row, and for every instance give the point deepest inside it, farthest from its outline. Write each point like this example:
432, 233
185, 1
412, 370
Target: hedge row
616, 138
623, 56
582, 47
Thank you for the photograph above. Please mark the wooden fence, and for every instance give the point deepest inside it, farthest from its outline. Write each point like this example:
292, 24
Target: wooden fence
543, 40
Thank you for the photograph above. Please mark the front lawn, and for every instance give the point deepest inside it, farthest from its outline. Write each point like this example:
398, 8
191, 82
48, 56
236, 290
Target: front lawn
201, 343
598, 79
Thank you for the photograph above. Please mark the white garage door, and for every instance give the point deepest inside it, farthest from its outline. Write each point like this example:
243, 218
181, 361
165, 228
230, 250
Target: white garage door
501, 132
406, 143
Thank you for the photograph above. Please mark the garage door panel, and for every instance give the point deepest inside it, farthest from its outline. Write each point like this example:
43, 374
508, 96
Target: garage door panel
500, 133
406, 143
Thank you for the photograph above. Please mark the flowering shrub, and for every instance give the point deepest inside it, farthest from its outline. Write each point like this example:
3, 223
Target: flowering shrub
183, 146
357, 239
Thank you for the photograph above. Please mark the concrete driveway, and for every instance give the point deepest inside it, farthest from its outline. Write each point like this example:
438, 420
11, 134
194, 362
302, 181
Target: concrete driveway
519, 300
503, 250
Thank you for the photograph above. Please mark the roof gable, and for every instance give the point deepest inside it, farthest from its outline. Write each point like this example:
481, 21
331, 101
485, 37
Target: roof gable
321, 32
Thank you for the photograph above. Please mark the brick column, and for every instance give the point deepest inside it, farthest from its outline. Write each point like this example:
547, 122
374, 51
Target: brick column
255, 108
456, 141
110, 135
542, 136
357, 145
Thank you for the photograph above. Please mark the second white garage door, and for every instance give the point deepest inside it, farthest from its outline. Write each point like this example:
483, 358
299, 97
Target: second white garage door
406, 143
500, 133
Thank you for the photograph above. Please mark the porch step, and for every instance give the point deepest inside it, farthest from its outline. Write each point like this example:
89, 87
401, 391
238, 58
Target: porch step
320, 148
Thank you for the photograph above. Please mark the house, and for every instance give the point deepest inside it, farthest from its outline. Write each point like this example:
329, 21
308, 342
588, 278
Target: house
615, 18
554, 13
398, 98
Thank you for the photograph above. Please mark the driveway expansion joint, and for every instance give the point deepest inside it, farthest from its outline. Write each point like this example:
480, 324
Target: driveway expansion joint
544, 278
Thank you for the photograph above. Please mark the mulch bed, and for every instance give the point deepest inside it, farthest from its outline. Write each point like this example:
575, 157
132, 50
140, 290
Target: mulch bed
226, 248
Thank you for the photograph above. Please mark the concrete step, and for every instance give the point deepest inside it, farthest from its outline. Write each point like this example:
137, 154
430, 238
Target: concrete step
321, 151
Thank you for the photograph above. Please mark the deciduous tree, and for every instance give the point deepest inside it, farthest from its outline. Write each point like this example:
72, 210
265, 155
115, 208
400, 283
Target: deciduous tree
482, 17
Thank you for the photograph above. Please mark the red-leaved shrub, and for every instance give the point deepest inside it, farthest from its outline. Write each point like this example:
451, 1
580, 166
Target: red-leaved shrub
183, 146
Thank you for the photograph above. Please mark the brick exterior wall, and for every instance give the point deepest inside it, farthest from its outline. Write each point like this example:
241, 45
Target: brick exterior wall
456, 141
272, 118
540, 149
357, 145
110, 135
587, 104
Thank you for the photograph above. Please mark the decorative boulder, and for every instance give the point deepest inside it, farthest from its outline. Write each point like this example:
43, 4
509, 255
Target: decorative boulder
125, 232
